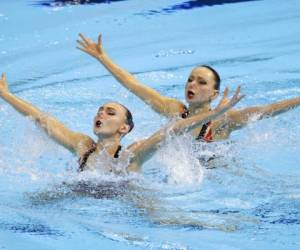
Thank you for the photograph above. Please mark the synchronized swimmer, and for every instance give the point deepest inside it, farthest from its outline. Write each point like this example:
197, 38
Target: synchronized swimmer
202, 87
111, 123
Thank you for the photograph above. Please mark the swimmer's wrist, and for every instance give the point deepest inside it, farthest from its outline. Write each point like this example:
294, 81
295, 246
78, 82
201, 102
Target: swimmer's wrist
101, 56
5, 95
4, 92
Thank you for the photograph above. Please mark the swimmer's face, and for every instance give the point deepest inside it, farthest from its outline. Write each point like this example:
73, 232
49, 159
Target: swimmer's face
111, 120
200, 86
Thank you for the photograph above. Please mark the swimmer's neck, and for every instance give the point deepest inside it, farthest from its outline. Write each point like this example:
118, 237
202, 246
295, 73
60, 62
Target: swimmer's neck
196, 108
109, 143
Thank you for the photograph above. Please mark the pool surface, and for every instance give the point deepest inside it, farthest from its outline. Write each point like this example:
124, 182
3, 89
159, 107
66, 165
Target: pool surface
250, 199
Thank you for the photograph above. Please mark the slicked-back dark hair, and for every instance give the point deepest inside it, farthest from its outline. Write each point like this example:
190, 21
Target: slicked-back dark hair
129, 117
216, 76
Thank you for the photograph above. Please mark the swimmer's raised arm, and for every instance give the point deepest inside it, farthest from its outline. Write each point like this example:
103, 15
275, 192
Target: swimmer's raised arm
161, 104
240, 118
143, 150
75, 142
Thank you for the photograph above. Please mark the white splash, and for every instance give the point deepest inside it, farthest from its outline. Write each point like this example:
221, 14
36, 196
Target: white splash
176, 157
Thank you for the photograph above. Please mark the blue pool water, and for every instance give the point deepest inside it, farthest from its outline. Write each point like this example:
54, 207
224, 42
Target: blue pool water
251, 200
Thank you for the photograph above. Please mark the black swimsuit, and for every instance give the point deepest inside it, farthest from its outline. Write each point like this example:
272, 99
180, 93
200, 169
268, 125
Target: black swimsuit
206, 136
205, 132
82, 160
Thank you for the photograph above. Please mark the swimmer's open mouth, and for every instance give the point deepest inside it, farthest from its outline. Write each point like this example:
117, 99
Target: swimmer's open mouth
98, 124
190, 94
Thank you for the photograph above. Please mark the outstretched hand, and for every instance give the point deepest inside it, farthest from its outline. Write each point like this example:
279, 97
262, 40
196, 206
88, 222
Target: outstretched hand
225, 103
90, 47
3, 84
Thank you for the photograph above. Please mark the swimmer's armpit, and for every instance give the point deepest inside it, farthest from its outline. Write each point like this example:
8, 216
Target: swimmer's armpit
161, 104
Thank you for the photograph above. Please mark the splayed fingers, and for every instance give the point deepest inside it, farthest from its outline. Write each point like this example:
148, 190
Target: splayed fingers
89, 46
230, 103
236, 97
224, 99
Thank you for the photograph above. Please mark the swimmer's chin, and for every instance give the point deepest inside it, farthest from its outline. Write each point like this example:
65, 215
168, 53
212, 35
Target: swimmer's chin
195, 100
192, 98
101, 132
98, 132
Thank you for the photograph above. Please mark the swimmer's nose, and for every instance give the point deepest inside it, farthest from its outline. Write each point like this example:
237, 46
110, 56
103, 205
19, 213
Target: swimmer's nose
193, 82
100, 114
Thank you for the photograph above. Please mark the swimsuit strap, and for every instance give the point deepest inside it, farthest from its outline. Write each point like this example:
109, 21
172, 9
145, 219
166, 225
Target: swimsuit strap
205, 133
185, 113
84, 158
116, 155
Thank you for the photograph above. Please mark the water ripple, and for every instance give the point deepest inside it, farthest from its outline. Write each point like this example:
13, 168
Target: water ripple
36, 229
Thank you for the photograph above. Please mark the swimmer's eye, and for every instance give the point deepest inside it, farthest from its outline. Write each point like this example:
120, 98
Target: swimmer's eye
190, 80
202, 82
111, 112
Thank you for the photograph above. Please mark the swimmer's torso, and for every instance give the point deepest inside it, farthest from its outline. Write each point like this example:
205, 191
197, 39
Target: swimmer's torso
102, 162
212, 131
219, 131
99, 160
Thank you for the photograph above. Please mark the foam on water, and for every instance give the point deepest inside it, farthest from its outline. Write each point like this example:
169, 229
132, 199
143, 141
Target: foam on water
180, 164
